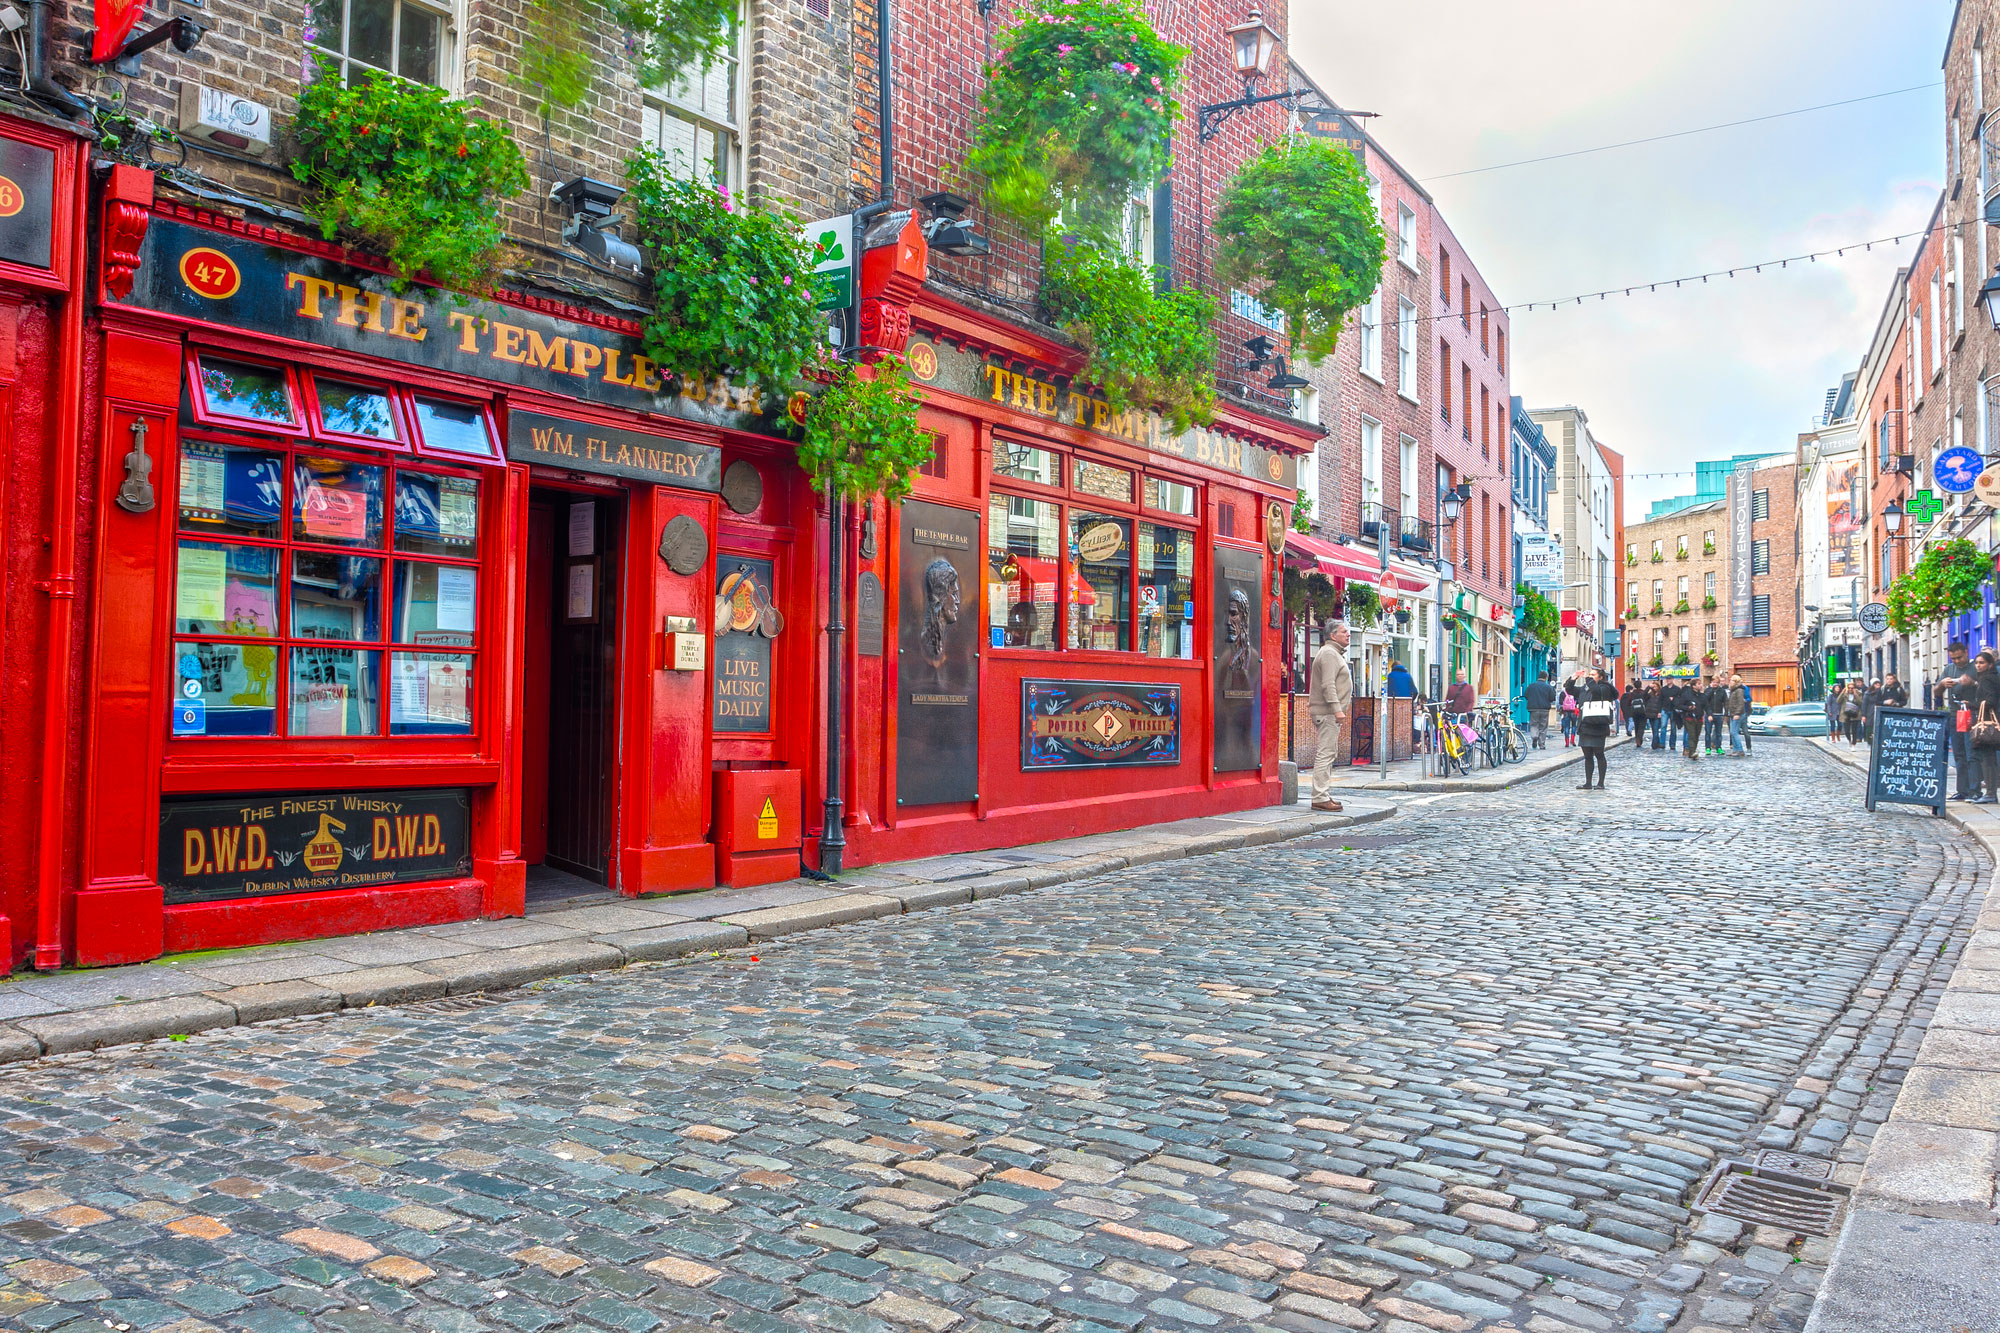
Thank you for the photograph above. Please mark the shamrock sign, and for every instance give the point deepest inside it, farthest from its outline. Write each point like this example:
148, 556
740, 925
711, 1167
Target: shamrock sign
1925, 506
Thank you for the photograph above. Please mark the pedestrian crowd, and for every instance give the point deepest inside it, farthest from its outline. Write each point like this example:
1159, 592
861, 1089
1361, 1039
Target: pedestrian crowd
1969, 689
1850, 710
1693, 717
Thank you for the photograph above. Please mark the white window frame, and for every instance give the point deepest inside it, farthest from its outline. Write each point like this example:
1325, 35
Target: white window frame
1978, 79
1375, 192
452, 12
1370, 323
1137, 238
1406, 236
1406, 475
663, 100
1371, 461
1406, 348
1937, 322
1958, 284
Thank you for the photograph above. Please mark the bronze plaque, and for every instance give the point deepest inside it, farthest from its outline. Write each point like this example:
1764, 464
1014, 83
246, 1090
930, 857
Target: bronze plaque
1237, 662
868, 615
937, 655
683, 545
742, 486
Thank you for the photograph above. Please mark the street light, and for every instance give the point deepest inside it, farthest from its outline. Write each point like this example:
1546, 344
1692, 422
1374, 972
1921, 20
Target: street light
1892, 517
1255, 42
1989, 296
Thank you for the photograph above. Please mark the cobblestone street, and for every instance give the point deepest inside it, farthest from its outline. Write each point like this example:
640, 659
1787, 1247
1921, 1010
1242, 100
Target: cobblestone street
1459, 1070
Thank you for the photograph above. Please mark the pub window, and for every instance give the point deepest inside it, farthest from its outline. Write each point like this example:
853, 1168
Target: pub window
319, 591
1074, 569
397, 37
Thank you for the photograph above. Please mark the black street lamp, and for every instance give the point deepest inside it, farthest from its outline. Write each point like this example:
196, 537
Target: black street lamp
1989, 297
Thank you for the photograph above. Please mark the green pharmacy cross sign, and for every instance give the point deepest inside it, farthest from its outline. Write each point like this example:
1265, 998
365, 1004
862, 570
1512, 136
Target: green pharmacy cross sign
832, 266
1925, 506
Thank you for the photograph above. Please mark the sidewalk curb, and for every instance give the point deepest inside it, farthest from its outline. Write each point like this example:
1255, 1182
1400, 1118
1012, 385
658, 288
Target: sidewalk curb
1474, 784
1924, 1221
503, 969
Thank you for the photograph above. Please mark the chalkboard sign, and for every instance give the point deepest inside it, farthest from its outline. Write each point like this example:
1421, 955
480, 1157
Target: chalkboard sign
1906, 760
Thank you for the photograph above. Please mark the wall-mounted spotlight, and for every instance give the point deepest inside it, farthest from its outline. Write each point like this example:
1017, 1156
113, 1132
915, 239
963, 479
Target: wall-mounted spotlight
1260, 349
1284, 379
592, 226
947, 229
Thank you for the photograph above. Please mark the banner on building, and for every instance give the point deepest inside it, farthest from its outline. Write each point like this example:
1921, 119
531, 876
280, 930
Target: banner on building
1541, 562
1739, 553
1843, 520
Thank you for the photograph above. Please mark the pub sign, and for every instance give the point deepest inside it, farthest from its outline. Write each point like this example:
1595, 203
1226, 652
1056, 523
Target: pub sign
1098, 724
254, 846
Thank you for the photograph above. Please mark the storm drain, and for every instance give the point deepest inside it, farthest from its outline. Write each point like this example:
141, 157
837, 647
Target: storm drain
1751, 1192
1791, 1164
459, 1004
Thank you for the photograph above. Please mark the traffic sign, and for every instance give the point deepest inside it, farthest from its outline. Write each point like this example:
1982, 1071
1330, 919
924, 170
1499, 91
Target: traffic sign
1875, 617
1957, 468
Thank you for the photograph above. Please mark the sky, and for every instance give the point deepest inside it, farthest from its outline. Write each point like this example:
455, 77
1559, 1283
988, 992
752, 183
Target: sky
1735, 366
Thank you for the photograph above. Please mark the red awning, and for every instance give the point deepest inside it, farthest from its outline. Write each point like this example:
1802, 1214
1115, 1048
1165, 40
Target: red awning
1305, 551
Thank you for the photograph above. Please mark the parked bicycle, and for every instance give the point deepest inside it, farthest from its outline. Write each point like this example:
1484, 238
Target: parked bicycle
1455, 753
1502, 738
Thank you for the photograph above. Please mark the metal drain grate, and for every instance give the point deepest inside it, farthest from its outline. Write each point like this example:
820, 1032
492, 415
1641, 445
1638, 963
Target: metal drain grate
1775, 1198
1791, 1164
458, 1004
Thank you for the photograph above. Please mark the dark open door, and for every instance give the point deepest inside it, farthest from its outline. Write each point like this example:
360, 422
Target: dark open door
579, 545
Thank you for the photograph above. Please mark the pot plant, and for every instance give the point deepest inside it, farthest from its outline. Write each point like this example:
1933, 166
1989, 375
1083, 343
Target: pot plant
1681, 607
1143, 347
732, 296
1948, 580
1079, 113
1708, 603
862, 435
1364, 604
1300, 231
407, 170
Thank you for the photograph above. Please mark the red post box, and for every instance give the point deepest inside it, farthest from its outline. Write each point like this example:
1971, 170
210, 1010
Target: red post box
757, 828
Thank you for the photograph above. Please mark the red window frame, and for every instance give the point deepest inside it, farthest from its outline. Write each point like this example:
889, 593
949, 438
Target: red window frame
308, 437
1067, 498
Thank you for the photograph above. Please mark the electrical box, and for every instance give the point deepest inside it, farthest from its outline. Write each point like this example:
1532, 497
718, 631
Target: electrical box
757, 829
225, 120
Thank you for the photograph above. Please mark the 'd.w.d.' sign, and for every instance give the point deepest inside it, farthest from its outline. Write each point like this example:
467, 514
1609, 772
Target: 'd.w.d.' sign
215, 847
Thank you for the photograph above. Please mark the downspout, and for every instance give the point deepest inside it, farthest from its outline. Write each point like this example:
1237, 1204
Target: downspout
832, 839
61, 588
40, 85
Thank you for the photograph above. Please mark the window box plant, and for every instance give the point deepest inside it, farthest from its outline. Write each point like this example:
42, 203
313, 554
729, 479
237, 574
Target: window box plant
1657, 661
1683, 660
1708, 603
1659, 608
1681, 607
1708, 548
1658, 558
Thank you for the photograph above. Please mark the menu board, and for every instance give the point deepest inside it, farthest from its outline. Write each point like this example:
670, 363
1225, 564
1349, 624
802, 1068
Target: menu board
1906, 759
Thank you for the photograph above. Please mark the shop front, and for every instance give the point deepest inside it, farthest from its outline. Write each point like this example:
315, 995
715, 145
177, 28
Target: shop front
1072, 625
427, 598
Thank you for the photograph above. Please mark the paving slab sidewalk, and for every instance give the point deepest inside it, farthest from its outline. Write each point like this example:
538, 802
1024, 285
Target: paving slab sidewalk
59, 1012
1920, 1249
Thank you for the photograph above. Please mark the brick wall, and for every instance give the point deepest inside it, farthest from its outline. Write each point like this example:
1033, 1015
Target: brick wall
1780, 649
1466, 346
798, 130
1690, 526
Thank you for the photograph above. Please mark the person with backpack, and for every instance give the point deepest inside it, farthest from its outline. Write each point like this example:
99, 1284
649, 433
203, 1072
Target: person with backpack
1569, 707
1632, 706
1850, 714
1597, 706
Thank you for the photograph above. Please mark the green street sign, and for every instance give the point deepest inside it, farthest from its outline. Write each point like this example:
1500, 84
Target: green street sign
832, 265
1924, 506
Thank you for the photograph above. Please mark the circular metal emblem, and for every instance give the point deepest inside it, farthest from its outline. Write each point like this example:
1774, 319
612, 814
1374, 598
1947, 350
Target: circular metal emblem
742, 486
1275, 525
684, 546
1875, 617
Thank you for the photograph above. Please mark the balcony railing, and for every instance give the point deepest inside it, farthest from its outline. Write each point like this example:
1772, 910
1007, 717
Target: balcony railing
1417, 535
1377, 519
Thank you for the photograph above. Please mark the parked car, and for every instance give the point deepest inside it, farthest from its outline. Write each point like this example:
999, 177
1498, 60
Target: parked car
1801, 719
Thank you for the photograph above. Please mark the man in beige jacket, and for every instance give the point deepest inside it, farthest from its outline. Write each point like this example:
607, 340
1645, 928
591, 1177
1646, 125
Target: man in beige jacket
1330, 700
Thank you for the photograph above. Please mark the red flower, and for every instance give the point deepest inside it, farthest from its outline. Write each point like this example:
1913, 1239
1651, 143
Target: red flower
461, 150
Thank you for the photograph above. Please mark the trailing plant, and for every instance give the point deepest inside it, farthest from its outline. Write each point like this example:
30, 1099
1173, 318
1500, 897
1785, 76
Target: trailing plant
556, 65
1364, 605
1540, 616
1144, 347
1708, 603
1300, 231
1947, 581
862, 435
408, 170
1311, 591
1302, 513
1681, 607
732, 296
1079, 114
1683, 660
675, 37
121, 134
1657, 661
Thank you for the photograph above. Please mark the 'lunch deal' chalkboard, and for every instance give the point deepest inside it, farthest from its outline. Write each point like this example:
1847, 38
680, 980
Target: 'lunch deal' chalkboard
1906, 762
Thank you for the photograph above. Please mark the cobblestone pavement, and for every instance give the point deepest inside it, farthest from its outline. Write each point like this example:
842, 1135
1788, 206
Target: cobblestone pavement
1460, 1070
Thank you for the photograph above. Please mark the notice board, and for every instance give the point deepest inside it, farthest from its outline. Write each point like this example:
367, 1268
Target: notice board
1906, 759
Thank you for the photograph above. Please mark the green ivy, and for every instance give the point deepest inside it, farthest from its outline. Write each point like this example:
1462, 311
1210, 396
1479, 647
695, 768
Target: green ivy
1311, 591
1946, 582
1079, 114
1145, 348
1539, 616
862, 434
675, 36
556, 63
1299, 229
408, 170
1302, 512
1683, 660
732, 290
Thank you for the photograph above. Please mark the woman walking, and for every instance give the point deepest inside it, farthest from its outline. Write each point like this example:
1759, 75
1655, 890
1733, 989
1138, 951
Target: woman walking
1570, 703
1850, 714
1985, 733
1594, 721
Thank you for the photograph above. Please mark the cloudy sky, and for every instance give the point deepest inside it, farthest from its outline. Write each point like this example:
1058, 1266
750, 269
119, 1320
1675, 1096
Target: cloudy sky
1703, 372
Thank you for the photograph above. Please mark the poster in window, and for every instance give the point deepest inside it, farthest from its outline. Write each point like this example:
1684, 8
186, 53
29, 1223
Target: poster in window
746, 621
583, 528
937, 672
330, 514
201, 588
580, 593
458, 508
454, 599
1237, 663
203, 476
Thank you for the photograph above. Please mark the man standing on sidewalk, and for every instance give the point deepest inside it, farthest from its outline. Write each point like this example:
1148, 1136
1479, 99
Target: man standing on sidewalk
1330, 699
1956, 693
1540, 697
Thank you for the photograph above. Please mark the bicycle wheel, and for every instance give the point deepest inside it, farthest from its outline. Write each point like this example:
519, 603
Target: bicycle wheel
1514, 745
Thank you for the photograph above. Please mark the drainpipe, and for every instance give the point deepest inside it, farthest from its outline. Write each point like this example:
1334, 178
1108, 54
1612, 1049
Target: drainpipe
40, 84
61, 589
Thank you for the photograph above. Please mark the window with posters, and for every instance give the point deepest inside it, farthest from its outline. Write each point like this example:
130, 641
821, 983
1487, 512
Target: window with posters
1088, 556
327, 557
